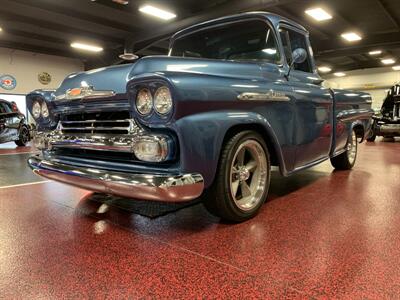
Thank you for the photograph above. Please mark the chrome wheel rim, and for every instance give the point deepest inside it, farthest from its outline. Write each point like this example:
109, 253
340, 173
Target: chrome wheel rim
248, 175
352, 148
24, 136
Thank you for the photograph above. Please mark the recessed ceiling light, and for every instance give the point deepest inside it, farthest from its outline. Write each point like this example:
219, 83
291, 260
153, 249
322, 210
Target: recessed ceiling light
87, 47
324, 69
157, 12
351, 36
318, 14
388, 61
339, 74
1, 29
396, 68
123, 2
375, 52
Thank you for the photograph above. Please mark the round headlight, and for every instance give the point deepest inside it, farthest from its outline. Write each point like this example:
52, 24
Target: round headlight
45, 110
163, 100
144, 102
36, 110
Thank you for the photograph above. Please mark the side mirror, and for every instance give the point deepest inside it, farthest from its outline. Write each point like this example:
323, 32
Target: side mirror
299, 56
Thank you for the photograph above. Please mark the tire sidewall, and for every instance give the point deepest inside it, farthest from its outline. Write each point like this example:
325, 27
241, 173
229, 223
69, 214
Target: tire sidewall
227, 173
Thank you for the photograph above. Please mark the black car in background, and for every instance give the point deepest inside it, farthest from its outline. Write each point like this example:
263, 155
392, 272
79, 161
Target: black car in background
387, 121
13, 124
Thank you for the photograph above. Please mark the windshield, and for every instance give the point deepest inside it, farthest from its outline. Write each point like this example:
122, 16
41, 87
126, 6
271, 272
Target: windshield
242, 41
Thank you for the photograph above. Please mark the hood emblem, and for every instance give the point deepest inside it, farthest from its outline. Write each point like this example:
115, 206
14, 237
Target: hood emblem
83, 93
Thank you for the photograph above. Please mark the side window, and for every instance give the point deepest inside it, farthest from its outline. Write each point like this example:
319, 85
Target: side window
2, 108
5, 108
292, 40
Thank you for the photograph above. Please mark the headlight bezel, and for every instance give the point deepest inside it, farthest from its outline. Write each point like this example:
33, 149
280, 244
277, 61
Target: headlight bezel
151, 84
44, 108
171, 101
37, 104
151, 99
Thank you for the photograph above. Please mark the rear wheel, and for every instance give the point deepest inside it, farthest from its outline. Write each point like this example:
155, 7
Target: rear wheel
242, 180
23, 137
347, 159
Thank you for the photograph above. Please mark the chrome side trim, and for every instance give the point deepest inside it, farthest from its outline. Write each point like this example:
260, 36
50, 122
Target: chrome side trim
271, 95
155, 187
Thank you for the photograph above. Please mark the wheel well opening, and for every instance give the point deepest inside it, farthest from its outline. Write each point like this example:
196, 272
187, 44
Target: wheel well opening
260, 130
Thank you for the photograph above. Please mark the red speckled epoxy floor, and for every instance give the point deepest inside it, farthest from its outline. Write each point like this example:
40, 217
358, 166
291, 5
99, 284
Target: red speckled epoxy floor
322, 234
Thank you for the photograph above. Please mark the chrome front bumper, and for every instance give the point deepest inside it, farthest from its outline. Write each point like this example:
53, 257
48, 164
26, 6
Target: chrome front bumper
156, 187
389, 128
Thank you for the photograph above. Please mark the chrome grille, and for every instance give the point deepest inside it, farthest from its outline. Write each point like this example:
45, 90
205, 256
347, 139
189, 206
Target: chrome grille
115, 123
97, 126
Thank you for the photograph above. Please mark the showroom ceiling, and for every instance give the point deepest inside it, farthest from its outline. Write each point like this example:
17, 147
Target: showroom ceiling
48, 26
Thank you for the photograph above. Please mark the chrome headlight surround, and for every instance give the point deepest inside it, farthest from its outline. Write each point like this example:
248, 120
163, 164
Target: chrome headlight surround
162, 108
163, 102
36, 110
45, 110
144, 102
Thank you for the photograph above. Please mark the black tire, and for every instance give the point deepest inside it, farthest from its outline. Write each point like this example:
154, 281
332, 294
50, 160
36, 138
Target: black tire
372, 138
23, 137
219, 199
347, 159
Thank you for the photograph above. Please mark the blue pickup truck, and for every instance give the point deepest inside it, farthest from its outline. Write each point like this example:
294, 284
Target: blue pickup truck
234, 96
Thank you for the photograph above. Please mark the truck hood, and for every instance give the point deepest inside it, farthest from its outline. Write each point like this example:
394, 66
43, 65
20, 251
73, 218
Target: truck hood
115, 78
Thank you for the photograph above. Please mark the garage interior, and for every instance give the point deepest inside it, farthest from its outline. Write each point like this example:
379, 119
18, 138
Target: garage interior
320, 234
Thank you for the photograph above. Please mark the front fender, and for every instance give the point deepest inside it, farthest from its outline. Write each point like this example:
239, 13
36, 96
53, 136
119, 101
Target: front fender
201, 138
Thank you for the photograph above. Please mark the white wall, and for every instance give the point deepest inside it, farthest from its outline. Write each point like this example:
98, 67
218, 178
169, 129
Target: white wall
374, 81
18, 99
25, 67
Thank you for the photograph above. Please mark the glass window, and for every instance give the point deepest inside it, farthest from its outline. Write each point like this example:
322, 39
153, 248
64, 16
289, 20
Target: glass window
240, 41
292, 40
5, 108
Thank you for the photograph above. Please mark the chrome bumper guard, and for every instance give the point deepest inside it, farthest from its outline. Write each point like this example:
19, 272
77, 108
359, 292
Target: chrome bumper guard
155, 187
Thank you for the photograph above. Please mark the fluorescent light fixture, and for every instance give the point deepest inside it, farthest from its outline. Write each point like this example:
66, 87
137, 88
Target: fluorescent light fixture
318, 14
324, 69
86, 47
388, 61
270, 51
157, 12
351, 36
339, 74
396, 68
375, 52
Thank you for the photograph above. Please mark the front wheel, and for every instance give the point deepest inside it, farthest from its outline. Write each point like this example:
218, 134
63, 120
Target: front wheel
242, 180
347, 159
23, 138
372, 138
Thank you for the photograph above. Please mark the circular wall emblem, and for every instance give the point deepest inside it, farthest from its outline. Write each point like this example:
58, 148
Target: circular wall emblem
44, 78
8, 82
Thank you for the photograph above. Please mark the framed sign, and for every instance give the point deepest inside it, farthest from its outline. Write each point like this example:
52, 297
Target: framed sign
8, 82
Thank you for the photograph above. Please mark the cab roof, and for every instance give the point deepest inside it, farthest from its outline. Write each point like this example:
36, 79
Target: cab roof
273, 18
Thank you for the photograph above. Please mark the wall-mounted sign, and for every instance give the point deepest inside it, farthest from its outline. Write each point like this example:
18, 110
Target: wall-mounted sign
44, 78
8, 82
